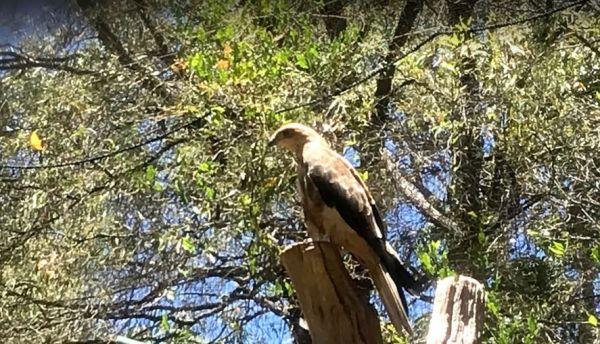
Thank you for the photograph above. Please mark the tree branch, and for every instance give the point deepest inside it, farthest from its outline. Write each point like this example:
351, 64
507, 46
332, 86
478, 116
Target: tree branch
18, 61
106, 36
106, 155
409, 191
412, 8
334, 23
438, 32
163, 50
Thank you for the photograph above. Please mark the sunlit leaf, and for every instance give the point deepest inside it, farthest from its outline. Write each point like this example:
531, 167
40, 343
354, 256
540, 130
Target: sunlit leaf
596, 254
227, 50
209, 193
301, 61
164, 322
223, 64
245, 200
425, 260
188, 244
35, 141
205, 166
557, 248
150, 173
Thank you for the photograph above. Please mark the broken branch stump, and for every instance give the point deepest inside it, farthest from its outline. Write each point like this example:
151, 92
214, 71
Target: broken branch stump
458, 310
331, 304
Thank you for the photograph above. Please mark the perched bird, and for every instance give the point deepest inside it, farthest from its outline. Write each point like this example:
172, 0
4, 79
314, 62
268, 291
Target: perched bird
339, 208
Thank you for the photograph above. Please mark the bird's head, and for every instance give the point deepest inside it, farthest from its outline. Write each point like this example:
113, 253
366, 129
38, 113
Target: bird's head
293, 136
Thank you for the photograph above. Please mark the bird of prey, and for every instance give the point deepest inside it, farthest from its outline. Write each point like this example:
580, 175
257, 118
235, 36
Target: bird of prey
338, 207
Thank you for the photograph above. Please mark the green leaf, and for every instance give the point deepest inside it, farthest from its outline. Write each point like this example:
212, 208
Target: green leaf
557, 248
205, 166
281, 57
596, 254
225, 33
493, 308
312, 52
158, 187
425, 260
217, 109
454, 40
199, 65
188, 245
209, 193
592, 320
150, 173
301, 61
164, 322
481, 237
532, 324
245, 199
446, 272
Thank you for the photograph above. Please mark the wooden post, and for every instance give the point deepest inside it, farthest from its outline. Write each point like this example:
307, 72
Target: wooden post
331, 305
458, 310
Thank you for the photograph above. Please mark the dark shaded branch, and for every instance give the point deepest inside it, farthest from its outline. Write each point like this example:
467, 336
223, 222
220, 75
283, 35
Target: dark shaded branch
10, 60
587, 43
529, 19
460, 10
105, 35
112, 43
384, 82
465, 195
505, 219
150, 24
334, 23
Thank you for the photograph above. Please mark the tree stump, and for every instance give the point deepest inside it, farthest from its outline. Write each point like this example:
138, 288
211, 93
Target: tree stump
458, 310
331, 304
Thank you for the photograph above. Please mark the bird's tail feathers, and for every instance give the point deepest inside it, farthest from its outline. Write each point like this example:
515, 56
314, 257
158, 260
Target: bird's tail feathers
392, 298
401, 276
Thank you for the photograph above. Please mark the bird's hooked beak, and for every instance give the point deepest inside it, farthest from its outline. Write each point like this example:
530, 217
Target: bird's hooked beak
272, 141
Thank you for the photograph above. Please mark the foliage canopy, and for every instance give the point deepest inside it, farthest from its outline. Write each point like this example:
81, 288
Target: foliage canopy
137, 196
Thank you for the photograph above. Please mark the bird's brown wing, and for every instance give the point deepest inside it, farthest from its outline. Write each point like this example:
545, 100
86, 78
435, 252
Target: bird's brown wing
339, 188
374, 210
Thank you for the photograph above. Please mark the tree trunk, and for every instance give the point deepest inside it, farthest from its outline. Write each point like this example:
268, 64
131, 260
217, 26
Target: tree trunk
331, 304
409, 14
458, 310
467, 153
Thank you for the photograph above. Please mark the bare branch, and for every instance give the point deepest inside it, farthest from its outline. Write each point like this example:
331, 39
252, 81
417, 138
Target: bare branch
407, 189
17, 61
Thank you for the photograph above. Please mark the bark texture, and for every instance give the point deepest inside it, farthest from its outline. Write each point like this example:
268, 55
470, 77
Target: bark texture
458, 311
334, 309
